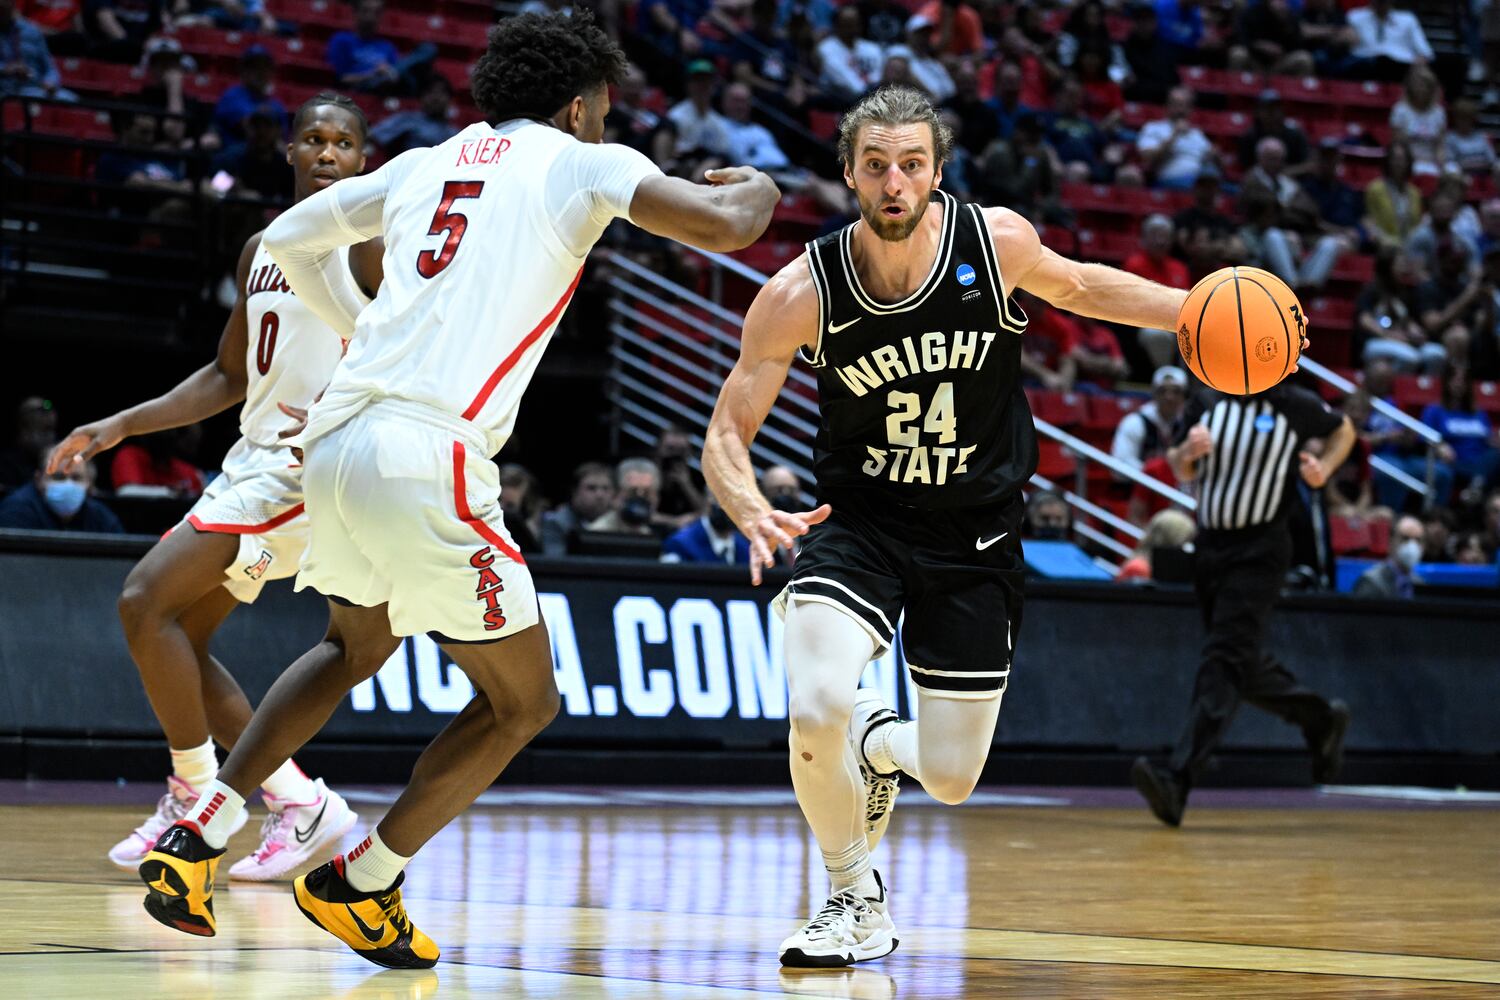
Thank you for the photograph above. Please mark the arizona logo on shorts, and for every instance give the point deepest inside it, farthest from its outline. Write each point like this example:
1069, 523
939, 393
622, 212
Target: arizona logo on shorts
488, 589
261, 565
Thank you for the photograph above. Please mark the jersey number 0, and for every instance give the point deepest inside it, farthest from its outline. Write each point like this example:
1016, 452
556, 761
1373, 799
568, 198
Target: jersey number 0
445, 220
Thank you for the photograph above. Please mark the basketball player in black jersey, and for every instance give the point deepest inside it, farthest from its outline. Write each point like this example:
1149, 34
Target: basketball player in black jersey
924, 444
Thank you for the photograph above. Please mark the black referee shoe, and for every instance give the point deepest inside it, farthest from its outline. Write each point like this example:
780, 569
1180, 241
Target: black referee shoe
1162, 791
1327, 744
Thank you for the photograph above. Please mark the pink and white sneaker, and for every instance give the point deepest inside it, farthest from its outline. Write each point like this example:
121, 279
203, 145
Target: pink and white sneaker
173, 806
295, 833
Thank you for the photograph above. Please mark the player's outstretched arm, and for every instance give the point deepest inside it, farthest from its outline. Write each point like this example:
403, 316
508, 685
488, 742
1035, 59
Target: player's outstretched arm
1094, 290
303, 239
730, 212
783, 317
211, 389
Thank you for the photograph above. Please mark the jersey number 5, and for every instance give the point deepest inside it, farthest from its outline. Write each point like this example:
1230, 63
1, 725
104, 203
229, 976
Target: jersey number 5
445, 220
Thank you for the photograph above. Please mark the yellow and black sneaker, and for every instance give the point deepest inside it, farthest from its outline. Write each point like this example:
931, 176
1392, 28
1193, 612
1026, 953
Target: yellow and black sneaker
180, 872
374, 924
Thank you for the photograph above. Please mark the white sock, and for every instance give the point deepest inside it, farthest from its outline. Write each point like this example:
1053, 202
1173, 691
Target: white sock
196, 766
372, 866
850, 869
290, 785
877, 748
900, 740
215, 811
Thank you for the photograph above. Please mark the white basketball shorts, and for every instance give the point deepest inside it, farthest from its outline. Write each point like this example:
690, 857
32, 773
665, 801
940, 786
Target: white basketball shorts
404, 510
258, 497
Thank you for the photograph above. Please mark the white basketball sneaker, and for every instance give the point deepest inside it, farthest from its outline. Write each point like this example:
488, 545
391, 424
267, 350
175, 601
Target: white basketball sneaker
849, 928
881, 787
295, 833
173, 806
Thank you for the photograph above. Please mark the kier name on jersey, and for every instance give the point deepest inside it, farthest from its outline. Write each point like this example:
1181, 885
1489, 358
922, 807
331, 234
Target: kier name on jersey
927, 352
482, 151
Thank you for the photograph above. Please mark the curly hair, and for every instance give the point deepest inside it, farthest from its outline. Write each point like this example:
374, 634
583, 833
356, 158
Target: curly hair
337, 100
894, 104
536, 63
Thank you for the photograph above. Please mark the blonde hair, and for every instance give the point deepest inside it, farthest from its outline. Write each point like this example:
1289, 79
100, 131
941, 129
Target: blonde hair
1167, 529
895, 104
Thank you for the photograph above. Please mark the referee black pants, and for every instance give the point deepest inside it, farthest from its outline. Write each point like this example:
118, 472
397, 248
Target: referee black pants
1239, 575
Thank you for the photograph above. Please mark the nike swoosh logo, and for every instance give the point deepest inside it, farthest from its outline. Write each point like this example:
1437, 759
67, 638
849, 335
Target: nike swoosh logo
371, 934
302, 834
835, 328
981, 544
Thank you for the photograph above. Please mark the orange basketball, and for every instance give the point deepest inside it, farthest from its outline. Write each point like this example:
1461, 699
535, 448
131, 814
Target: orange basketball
1240, 330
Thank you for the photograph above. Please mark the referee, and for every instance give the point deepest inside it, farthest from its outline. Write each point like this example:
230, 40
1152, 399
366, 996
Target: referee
1245, 453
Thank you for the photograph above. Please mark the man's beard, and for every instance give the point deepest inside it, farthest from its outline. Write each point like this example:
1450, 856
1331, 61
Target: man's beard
893, 230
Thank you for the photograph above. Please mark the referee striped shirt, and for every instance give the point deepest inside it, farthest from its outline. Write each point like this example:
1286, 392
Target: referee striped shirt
1248, 479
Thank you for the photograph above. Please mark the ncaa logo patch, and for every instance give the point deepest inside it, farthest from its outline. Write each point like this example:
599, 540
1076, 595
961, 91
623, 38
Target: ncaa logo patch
262, 564
964, 274
1264, 423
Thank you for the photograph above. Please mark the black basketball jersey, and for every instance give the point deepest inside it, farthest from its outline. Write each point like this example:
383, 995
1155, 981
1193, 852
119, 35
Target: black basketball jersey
922, 398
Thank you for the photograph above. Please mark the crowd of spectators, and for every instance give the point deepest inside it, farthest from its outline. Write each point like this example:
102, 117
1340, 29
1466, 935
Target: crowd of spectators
1037, 95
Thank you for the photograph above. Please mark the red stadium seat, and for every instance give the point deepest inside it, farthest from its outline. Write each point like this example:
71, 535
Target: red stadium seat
1064, 409
1413, 392
1330, 313
824, 125
1104, 412
1135, 115
1349, 534
95, 76
1380, 537
1055, 462
1364, 93
1487, 397
1357, 268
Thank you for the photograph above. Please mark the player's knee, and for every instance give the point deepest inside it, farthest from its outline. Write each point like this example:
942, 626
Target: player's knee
539, 713
363, 658
137, 606
819, 718
951, 786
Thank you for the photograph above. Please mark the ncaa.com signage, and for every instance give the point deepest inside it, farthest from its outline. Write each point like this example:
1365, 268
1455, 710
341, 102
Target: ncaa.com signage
633, 656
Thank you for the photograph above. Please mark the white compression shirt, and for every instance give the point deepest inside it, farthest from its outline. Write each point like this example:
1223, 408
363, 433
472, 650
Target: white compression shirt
485, 239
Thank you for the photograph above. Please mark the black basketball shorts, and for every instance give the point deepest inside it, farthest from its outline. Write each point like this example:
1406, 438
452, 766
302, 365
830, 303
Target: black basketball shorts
957, 574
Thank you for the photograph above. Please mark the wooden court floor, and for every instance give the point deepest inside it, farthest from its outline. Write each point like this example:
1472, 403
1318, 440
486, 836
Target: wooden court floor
685, 894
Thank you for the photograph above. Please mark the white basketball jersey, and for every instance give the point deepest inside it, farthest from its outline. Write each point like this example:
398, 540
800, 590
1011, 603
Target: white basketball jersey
485, 241
291, 355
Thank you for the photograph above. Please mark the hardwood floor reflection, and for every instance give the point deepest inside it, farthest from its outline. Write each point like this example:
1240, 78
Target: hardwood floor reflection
562, 896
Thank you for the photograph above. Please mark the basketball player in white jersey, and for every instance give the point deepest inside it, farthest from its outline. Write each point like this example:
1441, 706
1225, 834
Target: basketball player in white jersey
925, 443
249, 526
485, 241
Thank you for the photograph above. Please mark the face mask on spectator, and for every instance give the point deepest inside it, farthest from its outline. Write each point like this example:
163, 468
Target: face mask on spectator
1050, 532
635, 510
784, 501
65, 496
1408, 554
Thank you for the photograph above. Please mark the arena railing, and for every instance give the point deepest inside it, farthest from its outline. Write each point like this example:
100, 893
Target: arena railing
672, 347
1429, 437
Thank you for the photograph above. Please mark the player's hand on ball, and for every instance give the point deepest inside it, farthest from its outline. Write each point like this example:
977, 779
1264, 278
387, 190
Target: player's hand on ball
83, 444
1312, 470
778, 529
